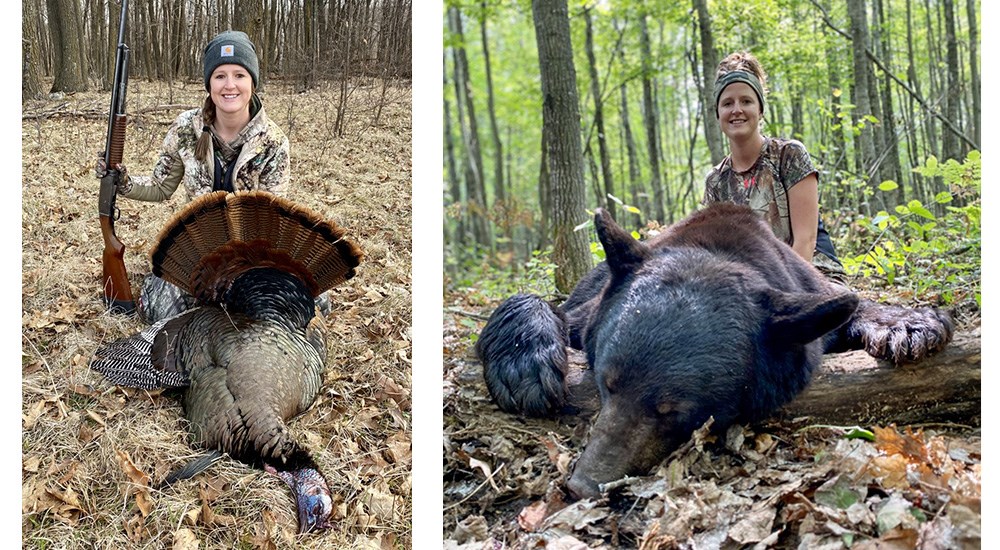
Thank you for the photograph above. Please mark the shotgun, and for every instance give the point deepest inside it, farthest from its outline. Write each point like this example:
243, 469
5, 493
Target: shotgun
117, 291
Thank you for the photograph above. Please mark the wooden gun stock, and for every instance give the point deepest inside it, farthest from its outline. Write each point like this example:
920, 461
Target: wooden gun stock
117, 290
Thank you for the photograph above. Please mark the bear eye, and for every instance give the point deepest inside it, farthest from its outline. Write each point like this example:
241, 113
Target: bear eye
610, 381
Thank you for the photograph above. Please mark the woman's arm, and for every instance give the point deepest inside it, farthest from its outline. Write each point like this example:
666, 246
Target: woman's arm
167, 173
803, 209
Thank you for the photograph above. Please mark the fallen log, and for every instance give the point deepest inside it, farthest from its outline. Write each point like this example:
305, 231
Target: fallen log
854, 388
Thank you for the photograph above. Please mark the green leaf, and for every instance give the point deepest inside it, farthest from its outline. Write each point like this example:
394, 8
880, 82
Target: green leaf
943, 197
860, 433
837, 493
888, 185
633, 210
918, 209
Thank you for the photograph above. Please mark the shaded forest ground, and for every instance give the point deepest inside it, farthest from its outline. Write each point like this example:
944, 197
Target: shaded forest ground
84, 442
789, 485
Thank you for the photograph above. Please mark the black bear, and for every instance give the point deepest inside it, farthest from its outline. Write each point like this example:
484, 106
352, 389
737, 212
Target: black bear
713, 317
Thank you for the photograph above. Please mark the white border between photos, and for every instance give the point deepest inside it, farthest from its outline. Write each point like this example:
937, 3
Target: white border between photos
427, 253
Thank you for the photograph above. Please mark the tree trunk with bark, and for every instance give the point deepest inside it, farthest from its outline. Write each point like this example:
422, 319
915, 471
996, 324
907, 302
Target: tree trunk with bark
602, 142
31, 76
975, 117
952, 147
561, 118
65, 27
649, 118
498, 184
476, 195
709, 63
862, 86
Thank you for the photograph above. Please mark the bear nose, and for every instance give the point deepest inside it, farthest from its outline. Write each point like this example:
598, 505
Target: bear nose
581, 486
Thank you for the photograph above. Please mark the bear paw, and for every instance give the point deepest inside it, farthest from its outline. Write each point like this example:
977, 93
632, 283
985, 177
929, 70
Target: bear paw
523, 352
898, 334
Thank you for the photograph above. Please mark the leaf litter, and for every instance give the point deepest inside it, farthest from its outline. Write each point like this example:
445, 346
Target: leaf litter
91, 452
766, 486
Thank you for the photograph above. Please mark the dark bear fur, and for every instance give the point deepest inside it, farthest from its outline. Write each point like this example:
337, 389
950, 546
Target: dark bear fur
713, 317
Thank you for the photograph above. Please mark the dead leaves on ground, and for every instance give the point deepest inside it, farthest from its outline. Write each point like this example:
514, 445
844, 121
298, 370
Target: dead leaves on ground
906, 489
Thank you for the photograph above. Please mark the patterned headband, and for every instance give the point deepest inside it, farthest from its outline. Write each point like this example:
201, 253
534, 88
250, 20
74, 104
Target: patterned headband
738, 76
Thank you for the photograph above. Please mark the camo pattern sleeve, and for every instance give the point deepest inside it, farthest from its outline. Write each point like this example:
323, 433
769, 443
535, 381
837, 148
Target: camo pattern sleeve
169, 169
794, 162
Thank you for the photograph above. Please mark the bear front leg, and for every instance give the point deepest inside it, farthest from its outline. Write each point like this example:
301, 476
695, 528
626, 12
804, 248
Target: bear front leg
893, 333
523, 352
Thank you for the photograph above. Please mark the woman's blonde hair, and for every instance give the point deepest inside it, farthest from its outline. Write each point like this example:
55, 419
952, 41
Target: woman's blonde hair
204, 144
743, 61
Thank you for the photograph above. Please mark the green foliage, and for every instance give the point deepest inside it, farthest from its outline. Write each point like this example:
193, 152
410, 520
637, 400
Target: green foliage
484, 282
925, 252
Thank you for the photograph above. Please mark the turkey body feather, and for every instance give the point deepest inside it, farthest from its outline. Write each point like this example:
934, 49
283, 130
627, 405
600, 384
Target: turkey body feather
252, 355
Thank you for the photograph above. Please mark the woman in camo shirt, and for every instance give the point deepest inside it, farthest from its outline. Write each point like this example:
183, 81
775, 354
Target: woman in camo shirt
774, 176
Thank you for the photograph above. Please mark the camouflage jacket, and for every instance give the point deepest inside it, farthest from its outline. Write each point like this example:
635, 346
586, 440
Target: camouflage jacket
263, 162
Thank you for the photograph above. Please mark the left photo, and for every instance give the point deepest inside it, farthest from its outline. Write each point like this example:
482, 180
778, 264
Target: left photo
216, 275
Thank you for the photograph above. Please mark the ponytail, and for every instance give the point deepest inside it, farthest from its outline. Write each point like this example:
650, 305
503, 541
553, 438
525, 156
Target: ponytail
205, 141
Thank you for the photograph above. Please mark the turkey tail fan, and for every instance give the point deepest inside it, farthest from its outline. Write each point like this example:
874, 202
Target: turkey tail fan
221, 235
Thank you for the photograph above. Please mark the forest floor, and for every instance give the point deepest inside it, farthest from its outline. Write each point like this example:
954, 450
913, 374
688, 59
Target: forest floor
767, 486
87, 445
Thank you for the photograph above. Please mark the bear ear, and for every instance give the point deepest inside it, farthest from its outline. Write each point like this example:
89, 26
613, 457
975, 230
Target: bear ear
801, 317
624, 254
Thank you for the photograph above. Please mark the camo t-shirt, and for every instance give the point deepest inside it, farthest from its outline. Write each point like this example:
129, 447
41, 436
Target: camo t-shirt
764, 187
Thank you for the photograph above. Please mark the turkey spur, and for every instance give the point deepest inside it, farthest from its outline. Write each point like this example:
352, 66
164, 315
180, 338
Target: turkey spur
251, 356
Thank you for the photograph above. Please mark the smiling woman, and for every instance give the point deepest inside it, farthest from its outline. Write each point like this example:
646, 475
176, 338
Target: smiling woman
229, 144
774, 176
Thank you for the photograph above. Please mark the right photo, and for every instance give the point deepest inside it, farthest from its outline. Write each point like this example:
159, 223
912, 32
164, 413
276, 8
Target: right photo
712, 274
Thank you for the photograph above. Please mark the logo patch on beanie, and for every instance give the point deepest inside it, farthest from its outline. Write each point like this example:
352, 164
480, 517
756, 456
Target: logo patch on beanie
228, 50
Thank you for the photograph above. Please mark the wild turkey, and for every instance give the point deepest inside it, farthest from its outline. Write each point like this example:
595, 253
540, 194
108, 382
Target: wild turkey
251, 355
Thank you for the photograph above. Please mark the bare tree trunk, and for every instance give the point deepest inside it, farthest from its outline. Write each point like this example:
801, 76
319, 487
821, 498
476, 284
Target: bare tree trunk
544, 193
602, 142
890, 143
501, 197
649, 118
457, 239
561, 117
859, 40
470, 136
709, 63
65, 28
31, 78
633, 157
952, 148
975, 117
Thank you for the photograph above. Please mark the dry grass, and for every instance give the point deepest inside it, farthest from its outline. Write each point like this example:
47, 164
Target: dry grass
77, 429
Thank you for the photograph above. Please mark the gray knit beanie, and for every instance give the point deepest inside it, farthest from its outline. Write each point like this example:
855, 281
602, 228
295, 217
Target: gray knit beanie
231, 47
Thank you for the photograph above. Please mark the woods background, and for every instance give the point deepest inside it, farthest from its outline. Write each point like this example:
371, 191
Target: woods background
885, 94
306, 40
